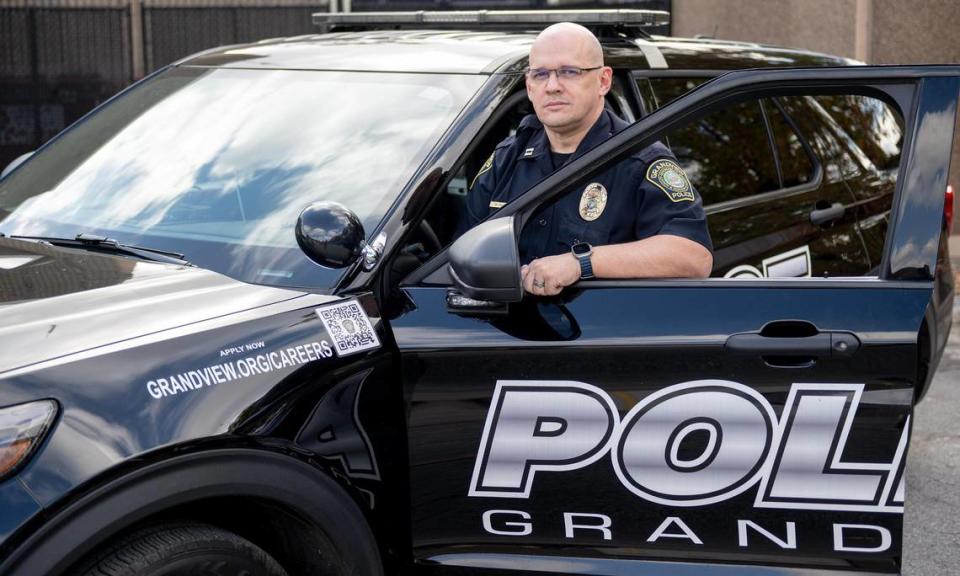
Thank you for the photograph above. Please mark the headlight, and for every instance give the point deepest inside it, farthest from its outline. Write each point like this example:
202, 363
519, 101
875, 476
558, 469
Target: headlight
22, 429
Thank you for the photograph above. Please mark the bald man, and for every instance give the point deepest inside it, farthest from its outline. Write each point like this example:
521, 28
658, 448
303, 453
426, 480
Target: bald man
639, 219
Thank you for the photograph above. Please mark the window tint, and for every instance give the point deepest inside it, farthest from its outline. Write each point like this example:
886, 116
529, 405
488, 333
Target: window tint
795, 165
668, 89
647, 99
875, 128
618, 102
812, 123
727, 155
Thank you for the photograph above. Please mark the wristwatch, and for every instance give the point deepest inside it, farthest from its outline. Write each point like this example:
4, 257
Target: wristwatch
582, 252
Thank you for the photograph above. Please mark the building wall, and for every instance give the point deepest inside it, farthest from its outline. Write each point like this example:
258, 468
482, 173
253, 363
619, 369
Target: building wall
823, 25
915, 32
875, 31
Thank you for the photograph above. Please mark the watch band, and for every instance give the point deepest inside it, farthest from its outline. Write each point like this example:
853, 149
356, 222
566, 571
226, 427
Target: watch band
586, 266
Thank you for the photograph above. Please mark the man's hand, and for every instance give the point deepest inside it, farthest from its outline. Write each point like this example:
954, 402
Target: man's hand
548, 276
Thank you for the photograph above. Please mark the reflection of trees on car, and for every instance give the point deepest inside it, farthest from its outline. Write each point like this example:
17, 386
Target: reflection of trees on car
712, 153
872, 125
777, 174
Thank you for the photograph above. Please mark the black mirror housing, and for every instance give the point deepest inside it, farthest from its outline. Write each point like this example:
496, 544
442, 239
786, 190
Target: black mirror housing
485, 262
330, 234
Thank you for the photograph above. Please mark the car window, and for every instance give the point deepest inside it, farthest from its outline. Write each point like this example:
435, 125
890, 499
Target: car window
618, 101
665, 90
829, 221
815, 126
859, 139
796, 166
872, 125
727, 155
217, 164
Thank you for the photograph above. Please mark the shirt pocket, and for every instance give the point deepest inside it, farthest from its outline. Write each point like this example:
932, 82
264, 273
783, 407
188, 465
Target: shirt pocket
573, 230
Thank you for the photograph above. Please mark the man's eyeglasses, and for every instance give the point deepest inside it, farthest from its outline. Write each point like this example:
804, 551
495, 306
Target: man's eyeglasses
541, 75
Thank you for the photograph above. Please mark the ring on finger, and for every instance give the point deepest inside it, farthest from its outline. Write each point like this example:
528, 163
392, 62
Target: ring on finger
538, 284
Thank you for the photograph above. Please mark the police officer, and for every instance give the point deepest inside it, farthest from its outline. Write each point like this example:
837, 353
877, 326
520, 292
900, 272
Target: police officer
640, 218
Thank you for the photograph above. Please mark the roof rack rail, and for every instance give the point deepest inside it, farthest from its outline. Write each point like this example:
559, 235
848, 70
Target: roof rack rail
609, 20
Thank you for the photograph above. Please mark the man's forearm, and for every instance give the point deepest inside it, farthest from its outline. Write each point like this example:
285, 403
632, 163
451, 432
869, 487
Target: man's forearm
662, 256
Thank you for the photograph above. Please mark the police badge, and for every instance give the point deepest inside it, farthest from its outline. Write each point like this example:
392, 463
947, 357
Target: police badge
593, 201
668, 176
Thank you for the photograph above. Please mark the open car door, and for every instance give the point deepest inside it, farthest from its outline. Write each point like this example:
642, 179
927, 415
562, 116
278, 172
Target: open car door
718, 426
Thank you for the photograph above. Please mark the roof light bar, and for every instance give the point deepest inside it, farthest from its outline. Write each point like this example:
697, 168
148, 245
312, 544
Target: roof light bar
494, 18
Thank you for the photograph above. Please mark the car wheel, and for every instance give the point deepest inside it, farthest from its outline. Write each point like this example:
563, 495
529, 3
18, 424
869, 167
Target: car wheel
183, 549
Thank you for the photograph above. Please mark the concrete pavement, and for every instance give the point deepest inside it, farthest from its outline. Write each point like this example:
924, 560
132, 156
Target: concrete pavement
931, 541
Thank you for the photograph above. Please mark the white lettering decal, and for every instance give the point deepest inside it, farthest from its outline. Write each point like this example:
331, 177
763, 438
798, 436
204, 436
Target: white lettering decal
524, 528
685, 531
583, 527
603, 526
154, 390
807, 470
238, 368
789, 543
519, 440
739, 424
840, 545
690, 444
317, 349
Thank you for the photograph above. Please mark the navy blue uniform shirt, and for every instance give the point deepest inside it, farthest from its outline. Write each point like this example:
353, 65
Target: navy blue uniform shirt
642, 196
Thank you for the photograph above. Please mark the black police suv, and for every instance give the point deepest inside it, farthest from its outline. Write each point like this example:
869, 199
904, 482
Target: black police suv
239, 335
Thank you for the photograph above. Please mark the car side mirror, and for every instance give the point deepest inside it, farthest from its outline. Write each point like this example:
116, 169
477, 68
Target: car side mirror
330, 234
485, 262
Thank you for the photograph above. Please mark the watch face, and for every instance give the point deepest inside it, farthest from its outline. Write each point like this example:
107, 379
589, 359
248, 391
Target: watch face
581, 249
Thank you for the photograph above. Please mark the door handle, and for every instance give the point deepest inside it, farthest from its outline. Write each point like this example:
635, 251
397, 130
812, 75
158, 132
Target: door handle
792, 344
816, 345
821, 216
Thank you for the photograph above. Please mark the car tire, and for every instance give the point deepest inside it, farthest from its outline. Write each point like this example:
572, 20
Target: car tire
183, 550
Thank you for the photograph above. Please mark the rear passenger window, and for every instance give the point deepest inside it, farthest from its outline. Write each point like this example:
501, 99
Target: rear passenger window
730, 154
667, 89
727, 155
795, 165
833, 218
871, 124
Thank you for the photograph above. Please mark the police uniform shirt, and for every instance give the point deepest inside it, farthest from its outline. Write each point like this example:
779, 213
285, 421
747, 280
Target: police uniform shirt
642, 196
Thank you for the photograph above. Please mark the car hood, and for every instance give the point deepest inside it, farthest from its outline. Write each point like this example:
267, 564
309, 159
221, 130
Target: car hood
57, 301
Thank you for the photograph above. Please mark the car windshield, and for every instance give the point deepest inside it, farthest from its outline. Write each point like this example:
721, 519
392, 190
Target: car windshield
217, 164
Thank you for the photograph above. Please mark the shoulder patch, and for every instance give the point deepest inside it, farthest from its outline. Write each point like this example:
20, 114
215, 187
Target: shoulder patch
486, 167
668, 176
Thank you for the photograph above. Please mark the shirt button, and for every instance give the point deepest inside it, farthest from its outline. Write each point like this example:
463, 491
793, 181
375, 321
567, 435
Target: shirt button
542, 222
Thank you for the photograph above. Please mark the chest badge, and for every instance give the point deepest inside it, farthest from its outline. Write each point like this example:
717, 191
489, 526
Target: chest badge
593, 201
668, 176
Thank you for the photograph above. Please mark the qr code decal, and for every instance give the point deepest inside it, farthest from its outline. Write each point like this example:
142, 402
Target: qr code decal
349, 327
